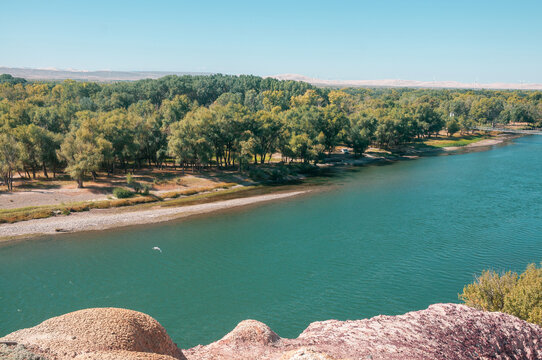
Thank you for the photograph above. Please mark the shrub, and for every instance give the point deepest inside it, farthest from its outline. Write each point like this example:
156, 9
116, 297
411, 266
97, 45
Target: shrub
122, 193
146, 189
79, 207
525, 299
520, 296
257, 174
132, 183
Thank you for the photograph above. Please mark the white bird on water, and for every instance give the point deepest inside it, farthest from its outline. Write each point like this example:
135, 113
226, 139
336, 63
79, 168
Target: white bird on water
157, 248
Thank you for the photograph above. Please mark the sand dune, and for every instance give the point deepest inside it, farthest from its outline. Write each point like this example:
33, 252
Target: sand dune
406, 83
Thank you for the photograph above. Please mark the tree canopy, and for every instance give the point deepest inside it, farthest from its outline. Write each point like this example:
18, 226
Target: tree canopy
223, 120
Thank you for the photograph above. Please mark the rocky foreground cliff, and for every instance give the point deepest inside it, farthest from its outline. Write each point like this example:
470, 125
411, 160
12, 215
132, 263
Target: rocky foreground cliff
443, 331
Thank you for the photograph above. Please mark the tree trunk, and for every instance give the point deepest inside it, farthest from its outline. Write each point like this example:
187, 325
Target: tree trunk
45, 171
80, 182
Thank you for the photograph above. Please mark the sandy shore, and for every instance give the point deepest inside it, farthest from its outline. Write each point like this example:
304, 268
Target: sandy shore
112, 218
483, 143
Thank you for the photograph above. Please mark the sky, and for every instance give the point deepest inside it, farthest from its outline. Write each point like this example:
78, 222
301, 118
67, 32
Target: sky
476, 40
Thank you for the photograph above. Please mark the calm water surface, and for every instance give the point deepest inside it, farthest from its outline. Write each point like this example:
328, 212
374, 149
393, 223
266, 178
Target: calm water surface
382, 240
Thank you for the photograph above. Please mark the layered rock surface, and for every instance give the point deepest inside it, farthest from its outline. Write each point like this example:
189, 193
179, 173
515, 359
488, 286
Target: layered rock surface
443, 331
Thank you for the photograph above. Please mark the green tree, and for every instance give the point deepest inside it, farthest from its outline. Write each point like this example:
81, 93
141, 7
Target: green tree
452, 126
9, 158
187, 142
83, 150
360, 133
266, 130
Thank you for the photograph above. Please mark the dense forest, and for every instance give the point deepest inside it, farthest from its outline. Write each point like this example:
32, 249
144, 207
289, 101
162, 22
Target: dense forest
84, 128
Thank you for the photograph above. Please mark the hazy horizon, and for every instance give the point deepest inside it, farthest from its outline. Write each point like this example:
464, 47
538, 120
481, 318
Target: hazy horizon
485, 42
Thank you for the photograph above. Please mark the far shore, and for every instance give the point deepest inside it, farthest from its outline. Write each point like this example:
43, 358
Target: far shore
103, 219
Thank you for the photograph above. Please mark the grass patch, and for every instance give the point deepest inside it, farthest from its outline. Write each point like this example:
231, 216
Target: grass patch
453, 142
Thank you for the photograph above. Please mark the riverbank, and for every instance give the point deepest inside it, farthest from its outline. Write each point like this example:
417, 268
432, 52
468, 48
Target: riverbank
102, 219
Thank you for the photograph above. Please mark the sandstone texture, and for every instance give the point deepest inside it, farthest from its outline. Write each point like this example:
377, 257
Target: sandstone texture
443, 331
103, 333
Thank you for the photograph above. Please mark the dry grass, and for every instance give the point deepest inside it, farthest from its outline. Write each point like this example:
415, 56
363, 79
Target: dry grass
45, 211
189, 192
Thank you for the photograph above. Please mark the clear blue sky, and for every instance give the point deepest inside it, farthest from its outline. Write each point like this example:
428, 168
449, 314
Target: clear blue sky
460, 40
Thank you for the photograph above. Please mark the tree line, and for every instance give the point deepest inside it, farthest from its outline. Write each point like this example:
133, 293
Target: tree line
83, 128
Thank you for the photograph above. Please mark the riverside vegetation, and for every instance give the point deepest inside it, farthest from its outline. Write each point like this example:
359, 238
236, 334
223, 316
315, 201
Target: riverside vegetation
518, 295
93, 129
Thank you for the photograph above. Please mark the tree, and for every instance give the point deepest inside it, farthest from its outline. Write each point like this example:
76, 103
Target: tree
329, 126
265, 131
176, 109
37, 148
301, 147
342, 100
452, 126
83, 152
360, 133
9, 158
310, 98
188, 143
429, 120
487, 110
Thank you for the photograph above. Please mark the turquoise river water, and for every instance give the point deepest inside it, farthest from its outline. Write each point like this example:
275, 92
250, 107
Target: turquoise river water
379, 240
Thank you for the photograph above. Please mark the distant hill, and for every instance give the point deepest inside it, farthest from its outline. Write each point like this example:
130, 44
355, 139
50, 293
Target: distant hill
406, 83
102, 75
108, 76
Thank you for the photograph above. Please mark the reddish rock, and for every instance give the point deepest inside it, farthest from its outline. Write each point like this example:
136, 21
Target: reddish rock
443, 331
250, 331
97, 330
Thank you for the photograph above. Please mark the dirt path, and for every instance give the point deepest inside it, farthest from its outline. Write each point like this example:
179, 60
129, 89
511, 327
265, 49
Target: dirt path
40, 197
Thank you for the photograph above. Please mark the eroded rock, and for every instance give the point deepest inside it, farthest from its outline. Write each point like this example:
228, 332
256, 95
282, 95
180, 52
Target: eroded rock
443, 331
250, 332
83, 332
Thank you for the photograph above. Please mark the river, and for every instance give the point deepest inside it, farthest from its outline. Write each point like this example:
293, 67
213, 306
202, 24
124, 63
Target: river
378, 240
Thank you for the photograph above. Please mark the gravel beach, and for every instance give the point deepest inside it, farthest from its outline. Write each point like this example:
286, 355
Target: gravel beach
112, 218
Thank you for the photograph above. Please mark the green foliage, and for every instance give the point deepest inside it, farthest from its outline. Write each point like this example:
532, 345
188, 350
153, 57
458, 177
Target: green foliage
9, 79
520, 295
525, 298
452, 126
130, 181
9, 158
84, 127
122, 193
145, 189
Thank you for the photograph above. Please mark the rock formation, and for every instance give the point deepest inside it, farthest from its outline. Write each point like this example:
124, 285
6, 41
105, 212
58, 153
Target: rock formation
443, 331
103, 333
